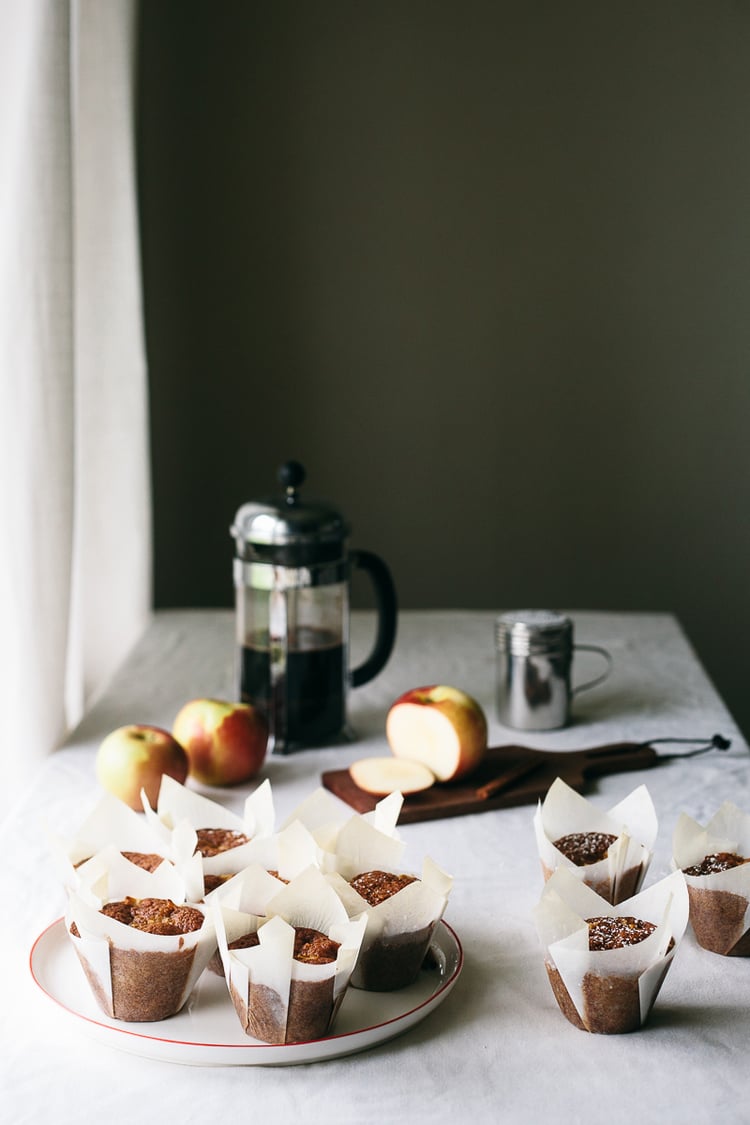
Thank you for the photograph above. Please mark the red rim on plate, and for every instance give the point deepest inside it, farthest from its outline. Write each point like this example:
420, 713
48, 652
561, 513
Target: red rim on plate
52, 945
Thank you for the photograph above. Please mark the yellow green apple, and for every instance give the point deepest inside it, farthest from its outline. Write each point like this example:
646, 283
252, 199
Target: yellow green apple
136, 757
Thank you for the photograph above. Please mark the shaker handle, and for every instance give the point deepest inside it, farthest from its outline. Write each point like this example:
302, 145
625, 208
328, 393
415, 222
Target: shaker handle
385, 596
597, 679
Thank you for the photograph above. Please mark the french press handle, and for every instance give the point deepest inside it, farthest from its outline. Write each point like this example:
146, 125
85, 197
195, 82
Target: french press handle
385, 597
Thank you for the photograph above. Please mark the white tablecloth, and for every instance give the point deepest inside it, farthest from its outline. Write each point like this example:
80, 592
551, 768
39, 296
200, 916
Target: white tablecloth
498, 1048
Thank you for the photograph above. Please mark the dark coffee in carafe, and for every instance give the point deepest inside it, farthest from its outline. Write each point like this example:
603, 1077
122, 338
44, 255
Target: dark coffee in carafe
305, 704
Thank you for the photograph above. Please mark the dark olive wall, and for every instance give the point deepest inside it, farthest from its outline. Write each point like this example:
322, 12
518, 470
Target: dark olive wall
485, 269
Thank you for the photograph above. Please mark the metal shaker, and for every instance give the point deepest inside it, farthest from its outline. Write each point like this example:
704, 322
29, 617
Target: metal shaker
534, 662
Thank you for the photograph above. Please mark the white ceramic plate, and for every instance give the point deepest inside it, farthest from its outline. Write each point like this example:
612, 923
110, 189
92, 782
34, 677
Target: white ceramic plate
207, 1032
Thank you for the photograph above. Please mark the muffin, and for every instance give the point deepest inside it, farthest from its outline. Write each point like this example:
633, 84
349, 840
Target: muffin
142, 947
401, 909
287, 972
608, 851
606, 963
715, 861
402, 912
188, 823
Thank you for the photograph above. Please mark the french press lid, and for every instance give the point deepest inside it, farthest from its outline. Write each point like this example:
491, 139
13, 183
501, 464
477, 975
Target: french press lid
287, 531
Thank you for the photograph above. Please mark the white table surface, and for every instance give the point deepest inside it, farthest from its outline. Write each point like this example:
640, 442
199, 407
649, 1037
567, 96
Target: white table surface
497, 1049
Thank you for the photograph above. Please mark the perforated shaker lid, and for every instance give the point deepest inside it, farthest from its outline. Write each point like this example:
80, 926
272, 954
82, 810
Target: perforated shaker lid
286, 530
523, 631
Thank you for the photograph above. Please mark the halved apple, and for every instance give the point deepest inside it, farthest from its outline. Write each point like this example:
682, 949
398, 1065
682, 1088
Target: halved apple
381, 776
442, 727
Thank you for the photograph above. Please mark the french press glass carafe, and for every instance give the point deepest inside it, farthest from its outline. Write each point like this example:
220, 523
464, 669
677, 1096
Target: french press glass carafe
291, 574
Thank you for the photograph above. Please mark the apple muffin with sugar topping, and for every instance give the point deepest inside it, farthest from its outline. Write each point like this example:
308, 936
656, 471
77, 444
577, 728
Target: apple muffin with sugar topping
308, 1014
715, 861
608, 851
287, 972
606, 964
393, 960
402, 912
401, 908
140, 944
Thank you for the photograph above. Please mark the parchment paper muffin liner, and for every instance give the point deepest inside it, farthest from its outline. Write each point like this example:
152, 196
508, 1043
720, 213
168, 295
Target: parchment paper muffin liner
287, 852
632, 821
279, 999
330, 822
177, 806
400, 928
111, 821
135, 976
720, 902
608, 991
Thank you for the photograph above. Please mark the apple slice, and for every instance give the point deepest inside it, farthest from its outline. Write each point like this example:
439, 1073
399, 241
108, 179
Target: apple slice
440, 726
382, 776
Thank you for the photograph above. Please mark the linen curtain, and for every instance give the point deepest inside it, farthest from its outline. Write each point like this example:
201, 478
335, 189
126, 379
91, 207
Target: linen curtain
75, 586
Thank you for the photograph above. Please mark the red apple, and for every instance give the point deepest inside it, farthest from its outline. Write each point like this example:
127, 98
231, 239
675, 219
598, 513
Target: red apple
381, 776
136, 757
225, 742
442, 727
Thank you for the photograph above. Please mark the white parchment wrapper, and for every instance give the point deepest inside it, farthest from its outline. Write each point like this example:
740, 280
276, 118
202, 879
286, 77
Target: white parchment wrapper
248, 892
264, 981
111, 821
110, 878
400, 928
288, 852
632, 821
608, 991
720, 902
326, 818
178, 807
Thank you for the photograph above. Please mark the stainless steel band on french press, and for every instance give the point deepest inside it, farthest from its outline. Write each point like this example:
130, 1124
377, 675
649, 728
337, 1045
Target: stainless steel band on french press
269, 576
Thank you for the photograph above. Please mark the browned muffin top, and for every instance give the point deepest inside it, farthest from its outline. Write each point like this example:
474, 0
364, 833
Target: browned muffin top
718, 861
613, 933
583, 848
149, 861
377, 886
310, 946
155, 915
212, 841
314, 947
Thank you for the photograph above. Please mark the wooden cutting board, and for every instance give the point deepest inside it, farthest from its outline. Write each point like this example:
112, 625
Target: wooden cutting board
508, 775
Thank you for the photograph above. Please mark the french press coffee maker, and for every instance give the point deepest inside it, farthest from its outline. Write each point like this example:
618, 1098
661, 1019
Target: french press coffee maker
292, 571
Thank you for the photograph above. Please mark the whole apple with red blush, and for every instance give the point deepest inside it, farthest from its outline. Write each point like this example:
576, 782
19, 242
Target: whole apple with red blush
440, 726
136, 757
225, 742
